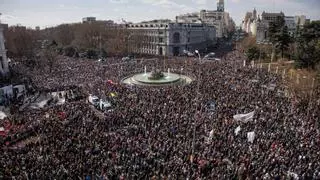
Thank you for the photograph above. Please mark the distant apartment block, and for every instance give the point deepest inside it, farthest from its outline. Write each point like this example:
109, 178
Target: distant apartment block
88, 19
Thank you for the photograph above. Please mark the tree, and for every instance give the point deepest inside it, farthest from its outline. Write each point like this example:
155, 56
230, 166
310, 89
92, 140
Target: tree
21, 42
69, 51
64, 34
275, 33
283, 40
308, 40
253, 53
50, 55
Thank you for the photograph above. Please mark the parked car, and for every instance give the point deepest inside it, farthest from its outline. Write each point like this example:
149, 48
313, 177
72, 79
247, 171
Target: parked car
128, 58
188, 53
98, 103
211, 56
94, 100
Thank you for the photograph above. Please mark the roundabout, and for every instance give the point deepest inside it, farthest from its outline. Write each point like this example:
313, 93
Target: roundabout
157, 78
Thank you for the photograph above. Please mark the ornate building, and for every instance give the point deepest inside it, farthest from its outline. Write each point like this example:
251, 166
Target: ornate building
249, 24
220, 5
167, 38
218, 18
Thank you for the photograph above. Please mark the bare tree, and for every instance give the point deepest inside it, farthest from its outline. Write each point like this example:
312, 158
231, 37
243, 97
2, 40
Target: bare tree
49, 56
21, 42
64, 34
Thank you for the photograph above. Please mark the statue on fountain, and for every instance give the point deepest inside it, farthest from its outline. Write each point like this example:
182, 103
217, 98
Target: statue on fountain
156, 74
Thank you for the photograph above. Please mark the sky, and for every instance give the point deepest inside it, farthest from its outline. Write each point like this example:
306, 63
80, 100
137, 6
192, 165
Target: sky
47, 13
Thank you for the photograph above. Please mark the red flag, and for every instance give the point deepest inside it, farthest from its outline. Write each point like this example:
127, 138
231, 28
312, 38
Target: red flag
62, 115
111, 82
3, 134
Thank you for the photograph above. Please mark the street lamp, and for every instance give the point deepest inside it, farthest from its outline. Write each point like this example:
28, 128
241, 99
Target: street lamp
197, 52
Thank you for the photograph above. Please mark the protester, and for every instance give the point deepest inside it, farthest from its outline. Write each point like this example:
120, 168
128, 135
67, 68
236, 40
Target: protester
165, 132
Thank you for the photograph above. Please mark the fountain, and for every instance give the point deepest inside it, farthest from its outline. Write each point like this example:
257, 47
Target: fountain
157, 78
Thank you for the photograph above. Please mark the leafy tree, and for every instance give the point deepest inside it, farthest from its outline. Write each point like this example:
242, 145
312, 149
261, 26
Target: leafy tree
283, 40
69, 51
253, 53
276, 33
50, 54
308, 52
92, 54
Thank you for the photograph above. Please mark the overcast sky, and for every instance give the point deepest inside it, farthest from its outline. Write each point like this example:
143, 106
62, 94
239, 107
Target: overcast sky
44, 13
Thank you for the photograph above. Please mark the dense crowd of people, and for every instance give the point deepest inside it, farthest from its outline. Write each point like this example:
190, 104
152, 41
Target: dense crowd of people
165, 132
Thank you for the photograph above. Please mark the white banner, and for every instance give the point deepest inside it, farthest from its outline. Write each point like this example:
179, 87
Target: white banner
251, 136
237, 130
244, 117
2, 115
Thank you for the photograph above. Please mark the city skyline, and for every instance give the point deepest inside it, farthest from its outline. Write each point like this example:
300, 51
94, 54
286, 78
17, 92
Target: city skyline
36, 13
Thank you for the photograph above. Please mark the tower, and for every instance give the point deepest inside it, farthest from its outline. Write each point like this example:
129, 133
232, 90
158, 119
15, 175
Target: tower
3, 54
220, 5
254, 14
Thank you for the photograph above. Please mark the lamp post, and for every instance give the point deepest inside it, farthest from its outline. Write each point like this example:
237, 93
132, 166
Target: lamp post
197, 52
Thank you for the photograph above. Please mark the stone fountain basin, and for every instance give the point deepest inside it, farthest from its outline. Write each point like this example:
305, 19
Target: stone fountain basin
167, 79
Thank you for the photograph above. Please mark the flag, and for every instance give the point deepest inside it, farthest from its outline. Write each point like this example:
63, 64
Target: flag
47, 115
2, 115
111, 82
251, 136
237, 130
191, 158
3, 133
211, 134
244, 117
62, 115
293, 175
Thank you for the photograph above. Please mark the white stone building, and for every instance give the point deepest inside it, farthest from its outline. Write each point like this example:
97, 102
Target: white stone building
301, 20
4, 69
249, 23
218, 18
221, 20
169, 38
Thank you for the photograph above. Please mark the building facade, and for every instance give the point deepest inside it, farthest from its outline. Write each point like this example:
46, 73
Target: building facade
291, 25
258, 26
218, 18
166, 38
249, 23
220, 5
4, 68
88, 19
264, 23
301, 20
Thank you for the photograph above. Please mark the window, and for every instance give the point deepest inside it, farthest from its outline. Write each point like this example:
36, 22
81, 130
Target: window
1, 62
176, 37
160, 40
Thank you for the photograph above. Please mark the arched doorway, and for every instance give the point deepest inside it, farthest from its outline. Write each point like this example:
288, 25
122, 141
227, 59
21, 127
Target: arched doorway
176, 51
160, 51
